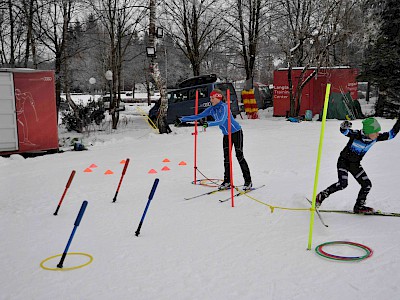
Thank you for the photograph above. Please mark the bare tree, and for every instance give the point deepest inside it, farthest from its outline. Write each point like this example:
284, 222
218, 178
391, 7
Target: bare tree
119, 19
53, 19
20, 33
196, 26
12, 30
248, 21
28, 9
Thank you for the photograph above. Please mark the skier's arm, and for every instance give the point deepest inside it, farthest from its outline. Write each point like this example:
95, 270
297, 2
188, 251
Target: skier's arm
199, 116
391, 133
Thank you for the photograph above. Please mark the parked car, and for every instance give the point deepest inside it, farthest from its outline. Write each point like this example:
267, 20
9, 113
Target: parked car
106, 102
181, 101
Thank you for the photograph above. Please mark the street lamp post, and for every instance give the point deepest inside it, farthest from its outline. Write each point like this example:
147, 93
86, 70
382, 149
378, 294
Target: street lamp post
109, 77
92, 82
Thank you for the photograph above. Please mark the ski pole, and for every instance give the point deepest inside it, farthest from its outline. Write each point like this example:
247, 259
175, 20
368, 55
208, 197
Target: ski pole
153, 190
76, 224
122, 177
65, 191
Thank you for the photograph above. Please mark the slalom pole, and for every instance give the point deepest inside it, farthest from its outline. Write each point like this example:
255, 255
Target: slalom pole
228, 95
76, 224
196, 111
65, 191
153, 190
122, 177
321, 142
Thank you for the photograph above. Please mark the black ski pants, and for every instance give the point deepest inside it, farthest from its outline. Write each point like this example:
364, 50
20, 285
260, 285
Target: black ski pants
343, 168
237, 143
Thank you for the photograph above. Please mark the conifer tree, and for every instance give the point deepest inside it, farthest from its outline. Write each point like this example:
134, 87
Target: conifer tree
382, 64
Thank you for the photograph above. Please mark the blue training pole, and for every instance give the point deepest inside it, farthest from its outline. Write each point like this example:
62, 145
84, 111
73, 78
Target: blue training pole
76, 224
153, 190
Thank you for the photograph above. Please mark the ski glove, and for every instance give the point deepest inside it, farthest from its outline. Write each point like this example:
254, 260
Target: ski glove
346, 125
205, 124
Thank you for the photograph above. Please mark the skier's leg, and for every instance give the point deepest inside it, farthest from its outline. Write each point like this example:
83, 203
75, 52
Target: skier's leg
366, 184
343, 179
237, 141
225, 145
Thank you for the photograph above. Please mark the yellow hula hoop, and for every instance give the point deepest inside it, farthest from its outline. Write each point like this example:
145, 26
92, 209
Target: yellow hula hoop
66, 269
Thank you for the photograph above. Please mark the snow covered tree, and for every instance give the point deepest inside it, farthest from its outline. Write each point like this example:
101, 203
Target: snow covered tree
382, 64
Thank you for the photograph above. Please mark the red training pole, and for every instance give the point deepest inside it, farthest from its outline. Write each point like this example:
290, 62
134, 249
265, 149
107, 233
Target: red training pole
122, 177
228, 94
196, 111
65, 191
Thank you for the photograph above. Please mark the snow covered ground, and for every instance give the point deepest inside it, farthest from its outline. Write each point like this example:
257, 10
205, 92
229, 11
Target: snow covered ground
200, 248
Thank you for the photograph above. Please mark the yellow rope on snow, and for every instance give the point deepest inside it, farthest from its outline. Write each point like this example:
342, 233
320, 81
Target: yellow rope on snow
271, 207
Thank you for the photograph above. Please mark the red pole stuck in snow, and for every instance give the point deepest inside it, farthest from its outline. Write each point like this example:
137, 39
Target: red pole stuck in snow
122, 177
228, 94
196, 111
65, 191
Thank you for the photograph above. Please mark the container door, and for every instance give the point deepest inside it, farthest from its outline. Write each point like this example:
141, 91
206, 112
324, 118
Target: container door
8, 115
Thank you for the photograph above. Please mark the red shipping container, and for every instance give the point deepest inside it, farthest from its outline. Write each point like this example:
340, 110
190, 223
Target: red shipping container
28, 114
342, 79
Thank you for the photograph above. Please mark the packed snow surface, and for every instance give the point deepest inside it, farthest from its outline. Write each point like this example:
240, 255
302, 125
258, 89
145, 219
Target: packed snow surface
199, 248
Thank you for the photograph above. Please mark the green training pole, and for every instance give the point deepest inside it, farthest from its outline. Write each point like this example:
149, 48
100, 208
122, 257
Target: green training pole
321, 142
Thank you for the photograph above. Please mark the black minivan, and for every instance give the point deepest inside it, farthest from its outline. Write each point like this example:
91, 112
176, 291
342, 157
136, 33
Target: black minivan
181, 101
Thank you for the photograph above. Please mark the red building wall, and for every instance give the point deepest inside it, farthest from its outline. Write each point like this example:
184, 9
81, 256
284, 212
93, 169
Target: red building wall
313, 94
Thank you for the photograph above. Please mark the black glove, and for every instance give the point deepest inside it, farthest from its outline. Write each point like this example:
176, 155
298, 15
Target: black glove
205, 124
346, 125
177, 122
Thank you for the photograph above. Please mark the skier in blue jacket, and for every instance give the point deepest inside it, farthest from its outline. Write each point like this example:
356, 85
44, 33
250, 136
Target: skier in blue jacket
219, 111
360, 141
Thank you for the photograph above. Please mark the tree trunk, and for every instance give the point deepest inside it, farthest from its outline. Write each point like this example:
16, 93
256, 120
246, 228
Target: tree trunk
155, 73
380, 104
28, 10
57, 75
11, 16
299, 92
291, 98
